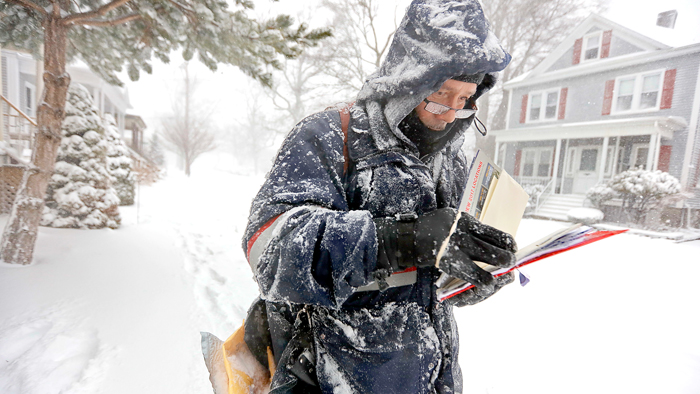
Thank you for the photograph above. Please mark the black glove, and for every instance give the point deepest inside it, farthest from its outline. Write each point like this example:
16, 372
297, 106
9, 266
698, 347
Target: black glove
475, 296
414, 241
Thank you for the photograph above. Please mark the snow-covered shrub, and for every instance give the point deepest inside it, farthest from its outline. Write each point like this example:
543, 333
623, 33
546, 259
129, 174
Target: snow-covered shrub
642, 191
599, 194
80, 193
119, 163
585, 215
533, 191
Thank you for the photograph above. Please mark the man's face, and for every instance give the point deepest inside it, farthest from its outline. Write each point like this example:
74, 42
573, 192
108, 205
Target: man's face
453, 94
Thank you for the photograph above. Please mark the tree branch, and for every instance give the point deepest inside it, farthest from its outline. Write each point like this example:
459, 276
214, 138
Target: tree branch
30, 5
111, 22
79, 18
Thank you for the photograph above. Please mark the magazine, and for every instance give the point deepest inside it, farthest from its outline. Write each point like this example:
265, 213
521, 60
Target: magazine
496, 199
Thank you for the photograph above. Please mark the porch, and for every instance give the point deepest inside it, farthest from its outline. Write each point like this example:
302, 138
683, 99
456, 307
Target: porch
569, 159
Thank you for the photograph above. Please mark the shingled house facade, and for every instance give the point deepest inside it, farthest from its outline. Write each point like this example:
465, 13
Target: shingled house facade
606, 100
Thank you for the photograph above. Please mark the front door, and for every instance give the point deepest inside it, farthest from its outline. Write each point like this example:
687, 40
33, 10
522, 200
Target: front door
586, 174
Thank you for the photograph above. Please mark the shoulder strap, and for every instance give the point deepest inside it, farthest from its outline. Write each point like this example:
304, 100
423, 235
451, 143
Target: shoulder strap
344, 124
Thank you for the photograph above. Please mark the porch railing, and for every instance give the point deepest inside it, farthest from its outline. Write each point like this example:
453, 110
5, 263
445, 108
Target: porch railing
19, 129
546, 192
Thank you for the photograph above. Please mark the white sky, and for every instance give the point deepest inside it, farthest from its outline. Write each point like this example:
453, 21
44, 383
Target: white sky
227, 89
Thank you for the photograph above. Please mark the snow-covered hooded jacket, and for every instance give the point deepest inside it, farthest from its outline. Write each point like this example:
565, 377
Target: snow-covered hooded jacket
311, 238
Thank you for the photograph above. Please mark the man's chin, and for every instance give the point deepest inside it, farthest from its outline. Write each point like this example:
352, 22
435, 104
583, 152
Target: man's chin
440, 127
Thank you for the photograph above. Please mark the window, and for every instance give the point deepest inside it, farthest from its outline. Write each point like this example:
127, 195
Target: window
589, 159
591, 46
639, 156
543, 105
29, 98
641, 92
537, 162
502, 155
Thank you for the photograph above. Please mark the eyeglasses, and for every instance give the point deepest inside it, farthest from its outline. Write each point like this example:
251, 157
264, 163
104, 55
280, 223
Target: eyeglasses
439, 109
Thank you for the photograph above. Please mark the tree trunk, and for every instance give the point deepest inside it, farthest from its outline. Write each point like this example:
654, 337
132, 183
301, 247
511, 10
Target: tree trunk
20, 234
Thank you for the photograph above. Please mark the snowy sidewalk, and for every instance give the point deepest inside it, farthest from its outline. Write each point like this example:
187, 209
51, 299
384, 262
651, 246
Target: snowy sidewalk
119, 311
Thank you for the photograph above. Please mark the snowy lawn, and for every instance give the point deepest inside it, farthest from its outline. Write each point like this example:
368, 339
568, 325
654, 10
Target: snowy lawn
119, 311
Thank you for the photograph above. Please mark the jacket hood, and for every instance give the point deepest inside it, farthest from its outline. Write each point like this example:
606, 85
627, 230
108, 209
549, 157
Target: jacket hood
436, 40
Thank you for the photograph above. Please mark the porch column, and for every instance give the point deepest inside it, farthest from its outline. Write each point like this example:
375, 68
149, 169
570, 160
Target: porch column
604, 159
657, 152
39, 94
616, 156
555, 173
495, 156
651, 154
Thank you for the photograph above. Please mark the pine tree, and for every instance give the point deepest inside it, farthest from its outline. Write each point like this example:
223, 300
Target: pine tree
80, 192
155, 151
109, 35
119, 163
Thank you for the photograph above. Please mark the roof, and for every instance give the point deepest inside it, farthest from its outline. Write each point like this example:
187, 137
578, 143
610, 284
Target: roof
643, 19
651, 50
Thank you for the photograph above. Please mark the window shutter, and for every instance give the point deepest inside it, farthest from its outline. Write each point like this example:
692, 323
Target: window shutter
669, 83
562, 103
577, 51
608, 96
523, 109
664, 157
605, 47
516, 167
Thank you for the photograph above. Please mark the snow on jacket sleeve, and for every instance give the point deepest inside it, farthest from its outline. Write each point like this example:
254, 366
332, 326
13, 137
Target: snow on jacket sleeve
317, 251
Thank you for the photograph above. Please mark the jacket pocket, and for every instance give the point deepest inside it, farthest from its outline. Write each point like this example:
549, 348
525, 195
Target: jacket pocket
391, 349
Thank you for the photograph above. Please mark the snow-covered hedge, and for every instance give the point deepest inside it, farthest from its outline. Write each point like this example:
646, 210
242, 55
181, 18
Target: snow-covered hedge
80, 192
640, 191
599, 194
119, 163
533, 191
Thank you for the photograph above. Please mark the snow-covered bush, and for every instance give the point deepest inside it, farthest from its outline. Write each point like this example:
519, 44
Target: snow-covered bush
80, 193
533, 191
119, 163
599, 194
585, 215
642, 191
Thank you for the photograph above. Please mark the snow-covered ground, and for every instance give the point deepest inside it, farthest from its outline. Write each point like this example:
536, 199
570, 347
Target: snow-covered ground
119, 311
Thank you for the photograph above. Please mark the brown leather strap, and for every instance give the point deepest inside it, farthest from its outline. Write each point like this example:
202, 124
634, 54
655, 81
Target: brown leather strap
344, 124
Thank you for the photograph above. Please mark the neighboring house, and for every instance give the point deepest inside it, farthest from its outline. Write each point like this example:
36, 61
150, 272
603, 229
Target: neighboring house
134, 128
22, 86
606, 100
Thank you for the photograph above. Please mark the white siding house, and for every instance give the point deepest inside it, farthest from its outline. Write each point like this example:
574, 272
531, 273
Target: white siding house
22, 86
607, 99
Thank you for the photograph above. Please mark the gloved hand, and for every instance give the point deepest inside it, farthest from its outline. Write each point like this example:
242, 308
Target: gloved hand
473, 295
405, 242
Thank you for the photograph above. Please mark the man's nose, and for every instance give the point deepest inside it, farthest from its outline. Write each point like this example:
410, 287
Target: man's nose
448, 116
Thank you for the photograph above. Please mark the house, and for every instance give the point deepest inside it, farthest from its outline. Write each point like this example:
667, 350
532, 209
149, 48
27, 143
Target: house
607, 99
21, 87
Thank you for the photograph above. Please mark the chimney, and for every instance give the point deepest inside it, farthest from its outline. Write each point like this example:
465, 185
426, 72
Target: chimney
667, 19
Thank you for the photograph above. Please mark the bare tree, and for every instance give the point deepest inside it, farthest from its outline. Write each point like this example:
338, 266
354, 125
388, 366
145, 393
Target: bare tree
529, 30
188, 132
300, 86
360, 40
251, 140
